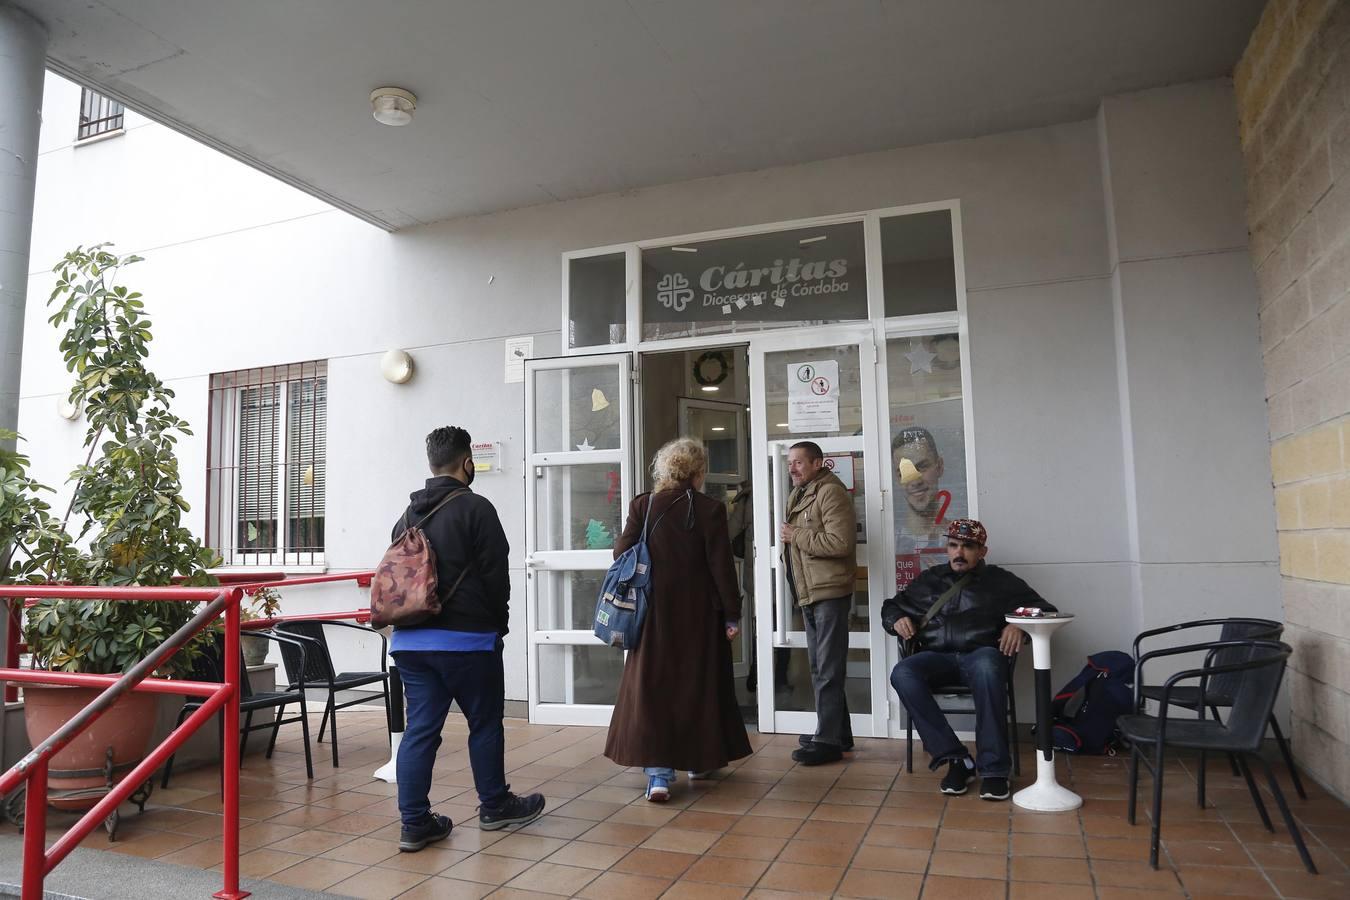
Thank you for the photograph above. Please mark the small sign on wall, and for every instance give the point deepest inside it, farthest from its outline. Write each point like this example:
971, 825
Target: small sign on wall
813, 396
487, 456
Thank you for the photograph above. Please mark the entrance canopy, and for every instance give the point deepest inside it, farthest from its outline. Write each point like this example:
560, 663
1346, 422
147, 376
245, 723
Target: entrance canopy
522, 102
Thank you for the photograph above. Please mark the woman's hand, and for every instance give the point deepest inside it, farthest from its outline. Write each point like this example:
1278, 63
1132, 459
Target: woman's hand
733, 629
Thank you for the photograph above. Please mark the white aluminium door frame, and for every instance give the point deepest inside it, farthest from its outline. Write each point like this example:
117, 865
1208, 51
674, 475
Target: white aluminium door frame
543, 464
768, 576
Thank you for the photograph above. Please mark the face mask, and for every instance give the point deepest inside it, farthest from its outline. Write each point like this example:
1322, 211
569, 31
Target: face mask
469, 472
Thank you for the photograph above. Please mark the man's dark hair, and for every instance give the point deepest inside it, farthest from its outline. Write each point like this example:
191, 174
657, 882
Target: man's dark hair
914, 435
813, 451
447, 447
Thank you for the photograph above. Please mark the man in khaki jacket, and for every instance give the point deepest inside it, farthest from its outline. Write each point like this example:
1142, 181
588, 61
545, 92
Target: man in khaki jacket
820, 547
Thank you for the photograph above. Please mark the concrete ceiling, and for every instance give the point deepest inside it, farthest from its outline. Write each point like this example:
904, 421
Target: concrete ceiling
523, 102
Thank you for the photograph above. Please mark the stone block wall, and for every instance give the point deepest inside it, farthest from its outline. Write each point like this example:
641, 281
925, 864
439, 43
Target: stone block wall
1293, 91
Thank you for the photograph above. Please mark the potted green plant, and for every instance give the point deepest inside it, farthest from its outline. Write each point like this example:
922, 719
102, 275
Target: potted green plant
265, 603
124, 522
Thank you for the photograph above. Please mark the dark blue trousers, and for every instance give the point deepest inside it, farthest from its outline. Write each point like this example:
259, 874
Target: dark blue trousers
985, 671
432, 679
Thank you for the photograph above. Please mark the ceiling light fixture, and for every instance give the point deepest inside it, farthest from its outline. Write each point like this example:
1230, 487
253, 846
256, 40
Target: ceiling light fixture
811, 240
397, 367
393, 106
709, 388
719, 428
684, 249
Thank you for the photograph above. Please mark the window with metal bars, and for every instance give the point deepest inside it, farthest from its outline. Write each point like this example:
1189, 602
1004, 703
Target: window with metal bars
98, 115
267, 464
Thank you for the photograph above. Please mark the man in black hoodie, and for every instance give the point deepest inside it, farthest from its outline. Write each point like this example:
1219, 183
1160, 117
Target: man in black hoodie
457, 656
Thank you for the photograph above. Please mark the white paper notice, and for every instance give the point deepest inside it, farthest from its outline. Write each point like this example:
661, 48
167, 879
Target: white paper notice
813, 396
840, 464
517, 351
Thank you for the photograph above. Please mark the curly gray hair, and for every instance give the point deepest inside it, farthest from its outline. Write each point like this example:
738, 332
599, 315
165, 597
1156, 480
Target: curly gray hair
678, 461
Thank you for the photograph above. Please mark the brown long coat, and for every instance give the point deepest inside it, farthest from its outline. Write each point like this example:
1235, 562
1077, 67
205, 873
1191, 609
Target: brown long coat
677, 699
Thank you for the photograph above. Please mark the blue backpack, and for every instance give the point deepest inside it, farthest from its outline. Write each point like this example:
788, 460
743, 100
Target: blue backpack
622, 606
1085, 710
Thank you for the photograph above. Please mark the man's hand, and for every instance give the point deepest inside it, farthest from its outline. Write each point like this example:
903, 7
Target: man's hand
904, 627
1010, 641
786, 532
733, 629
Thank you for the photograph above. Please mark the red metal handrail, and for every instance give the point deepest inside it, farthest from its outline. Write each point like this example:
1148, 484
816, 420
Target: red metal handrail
33, 768
38, 861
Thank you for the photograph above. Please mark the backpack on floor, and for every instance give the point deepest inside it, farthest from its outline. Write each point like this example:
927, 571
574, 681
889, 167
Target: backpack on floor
1084, 712
621, 608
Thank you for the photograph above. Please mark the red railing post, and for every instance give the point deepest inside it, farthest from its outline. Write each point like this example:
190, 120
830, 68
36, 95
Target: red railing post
35, 832
230, 754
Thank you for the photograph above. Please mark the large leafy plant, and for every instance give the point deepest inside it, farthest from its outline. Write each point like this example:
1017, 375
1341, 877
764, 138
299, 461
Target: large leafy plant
127, 502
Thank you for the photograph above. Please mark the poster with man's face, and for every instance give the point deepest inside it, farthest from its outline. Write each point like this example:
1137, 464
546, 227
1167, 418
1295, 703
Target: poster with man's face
928, 465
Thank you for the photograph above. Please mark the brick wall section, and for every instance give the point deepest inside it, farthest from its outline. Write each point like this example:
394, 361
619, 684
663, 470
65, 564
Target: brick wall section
1293, 90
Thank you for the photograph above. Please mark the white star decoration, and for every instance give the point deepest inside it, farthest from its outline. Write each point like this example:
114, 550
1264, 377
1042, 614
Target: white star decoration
585, 445
920, 360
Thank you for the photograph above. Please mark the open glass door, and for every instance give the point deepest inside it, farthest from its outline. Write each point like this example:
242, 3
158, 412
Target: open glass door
578, 427
819, 387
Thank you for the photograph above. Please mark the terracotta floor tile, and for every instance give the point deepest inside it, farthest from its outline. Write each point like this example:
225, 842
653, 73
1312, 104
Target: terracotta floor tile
620, 835
551, 878
1298, 883
361, 823
834, 812
911, 816
448, 889
527, 846
1135, 875
1131, 849
972, 820
588, 809
879, 885
310, 843
363, 851
645, 814
622, 886
487, 868
973, 841
429, 860
891, 859
316, 874
1272, 856
833, 832
782, 809
901, 836
694, 890
1050, 869
471, 839
378, 884
154, 844
588, 855
766, 826
202, 855
746, 846
1226, 880
725, 870
804, 879
556, 827
657, 863
818, 853
262, 863
1031, 890
1207, 853
1069, 846
680, 840
969, 865
945, 887
1045, 823
699, 820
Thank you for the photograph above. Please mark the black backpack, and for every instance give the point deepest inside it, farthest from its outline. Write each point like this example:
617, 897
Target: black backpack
1085, 710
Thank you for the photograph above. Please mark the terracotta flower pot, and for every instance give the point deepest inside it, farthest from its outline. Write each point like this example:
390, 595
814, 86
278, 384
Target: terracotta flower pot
127, 728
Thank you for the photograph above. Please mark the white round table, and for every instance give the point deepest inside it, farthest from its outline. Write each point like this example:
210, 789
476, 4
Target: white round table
1046, 794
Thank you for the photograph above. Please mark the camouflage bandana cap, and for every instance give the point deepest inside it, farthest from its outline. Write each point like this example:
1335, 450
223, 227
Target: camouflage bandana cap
968, 530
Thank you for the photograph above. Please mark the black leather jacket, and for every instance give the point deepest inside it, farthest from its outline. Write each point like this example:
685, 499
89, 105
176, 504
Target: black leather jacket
973, 618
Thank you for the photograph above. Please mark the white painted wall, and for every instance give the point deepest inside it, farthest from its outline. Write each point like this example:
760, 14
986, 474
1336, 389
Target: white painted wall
244, 271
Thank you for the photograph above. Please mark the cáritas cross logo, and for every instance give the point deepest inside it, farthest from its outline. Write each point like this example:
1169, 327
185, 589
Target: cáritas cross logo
673, 292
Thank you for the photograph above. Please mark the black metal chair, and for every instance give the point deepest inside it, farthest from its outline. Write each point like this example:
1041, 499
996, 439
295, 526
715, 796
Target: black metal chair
316, 670
210, 666
1258, 667
1219, 693
954, 691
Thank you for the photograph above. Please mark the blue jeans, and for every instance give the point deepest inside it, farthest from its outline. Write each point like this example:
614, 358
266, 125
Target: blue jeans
985, 671
431, 680
660, 772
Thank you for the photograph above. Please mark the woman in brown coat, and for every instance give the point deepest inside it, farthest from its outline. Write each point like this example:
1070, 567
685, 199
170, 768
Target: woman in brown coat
677, 704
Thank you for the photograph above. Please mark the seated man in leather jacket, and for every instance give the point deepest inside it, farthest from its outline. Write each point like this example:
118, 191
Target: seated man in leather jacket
966, 641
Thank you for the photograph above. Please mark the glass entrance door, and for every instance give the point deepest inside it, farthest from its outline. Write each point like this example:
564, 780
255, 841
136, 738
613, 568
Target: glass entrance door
819, 387
579, 472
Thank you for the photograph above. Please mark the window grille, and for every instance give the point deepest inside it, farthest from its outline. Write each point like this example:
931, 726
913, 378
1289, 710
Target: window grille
98, 114
267, 464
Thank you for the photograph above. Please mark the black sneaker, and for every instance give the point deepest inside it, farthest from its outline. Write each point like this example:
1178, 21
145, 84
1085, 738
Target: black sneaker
994, 789
814, 754
514, 810
805, 739
958, 774
414, 838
